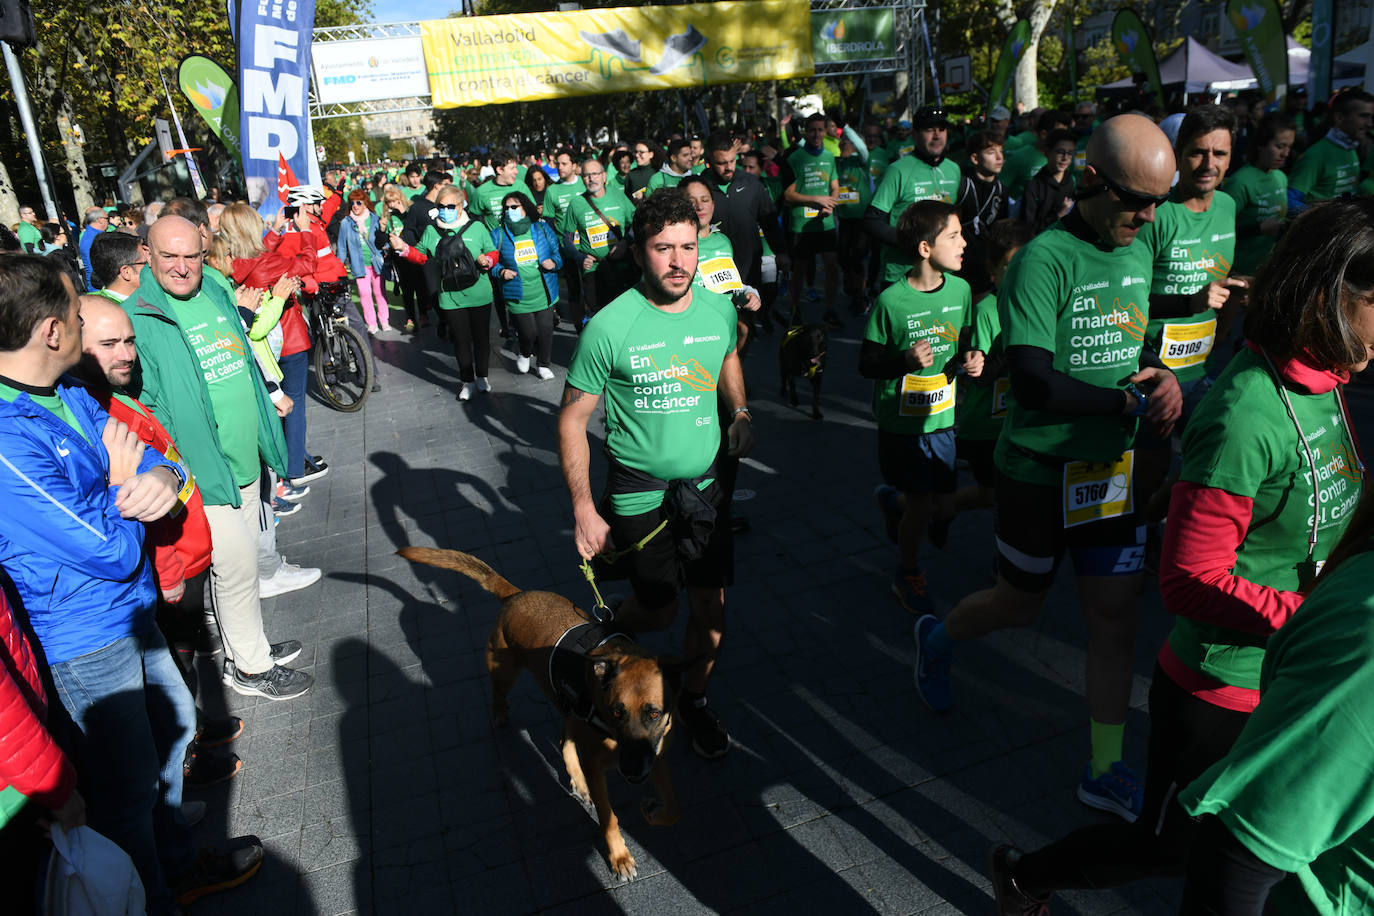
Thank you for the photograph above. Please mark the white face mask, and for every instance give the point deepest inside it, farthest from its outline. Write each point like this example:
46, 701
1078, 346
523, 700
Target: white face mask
514, 214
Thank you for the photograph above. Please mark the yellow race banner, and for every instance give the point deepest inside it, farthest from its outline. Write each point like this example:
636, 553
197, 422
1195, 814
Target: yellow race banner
523, 57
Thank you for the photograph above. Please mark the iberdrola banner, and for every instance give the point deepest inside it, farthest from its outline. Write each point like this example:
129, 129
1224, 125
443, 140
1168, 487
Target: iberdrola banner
484, 60
212, 92
1260, 30
1137, 51
273, 40
1006, 62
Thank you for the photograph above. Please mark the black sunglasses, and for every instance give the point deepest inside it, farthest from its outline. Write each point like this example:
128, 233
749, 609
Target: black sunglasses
1131, 200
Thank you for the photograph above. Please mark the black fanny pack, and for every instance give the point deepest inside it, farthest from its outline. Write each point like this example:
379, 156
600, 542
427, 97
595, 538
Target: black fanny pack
690, 508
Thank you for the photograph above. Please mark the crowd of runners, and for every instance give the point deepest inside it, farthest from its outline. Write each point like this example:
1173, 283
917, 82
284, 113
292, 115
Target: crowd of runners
1129, 331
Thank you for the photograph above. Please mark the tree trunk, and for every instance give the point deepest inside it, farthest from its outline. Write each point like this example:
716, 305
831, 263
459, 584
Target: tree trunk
1027, 80
9, 201
75, 157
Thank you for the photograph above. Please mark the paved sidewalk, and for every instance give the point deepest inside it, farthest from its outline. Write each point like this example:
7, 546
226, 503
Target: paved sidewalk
388, 790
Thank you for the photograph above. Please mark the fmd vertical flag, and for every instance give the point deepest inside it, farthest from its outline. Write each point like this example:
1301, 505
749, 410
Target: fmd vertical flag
1136, 49
1260, 29
273, 39
1007, 61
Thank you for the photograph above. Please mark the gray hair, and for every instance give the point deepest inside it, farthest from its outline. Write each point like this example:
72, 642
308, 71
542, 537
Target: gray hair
93, 214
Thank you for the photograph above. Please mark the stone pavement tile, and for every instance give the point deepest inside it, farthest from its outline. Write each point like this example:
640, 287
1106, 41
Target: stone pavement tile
328, 801
473, 844
571, 873
409, 889
268, 817
335, 841
340, 760
845, 891
659, 893
336, 890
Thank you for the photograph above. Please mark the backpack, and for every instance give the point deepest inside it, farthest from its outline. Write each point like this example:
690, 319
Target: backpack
457, 267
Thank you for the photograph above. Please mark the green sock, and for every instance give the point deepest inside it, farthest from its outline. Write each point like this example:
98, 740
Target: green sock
1106, 743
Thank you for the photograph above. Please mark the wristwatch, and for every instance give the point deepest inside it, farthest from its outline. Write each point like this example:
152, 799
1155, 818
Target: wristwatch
742, 410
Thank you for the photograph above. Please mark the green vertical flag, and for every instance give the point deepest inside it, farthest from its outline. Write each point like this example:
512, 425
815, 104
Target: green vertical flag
1007, 61
1260, 29
212, 92
1137, 50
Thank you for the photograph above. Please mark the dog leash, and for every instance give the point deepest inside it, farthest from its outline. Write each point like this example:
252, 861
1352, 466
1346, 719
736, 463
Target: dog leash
602, 613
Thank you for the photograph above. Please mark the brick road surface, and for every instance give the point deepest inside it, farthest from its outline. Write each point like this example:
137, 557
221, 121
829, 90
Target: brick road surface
388, 790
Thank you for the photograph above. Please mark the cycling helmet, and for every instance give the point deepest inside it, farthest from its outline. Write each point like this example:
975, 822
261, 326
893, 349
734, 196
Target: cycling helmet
303, 194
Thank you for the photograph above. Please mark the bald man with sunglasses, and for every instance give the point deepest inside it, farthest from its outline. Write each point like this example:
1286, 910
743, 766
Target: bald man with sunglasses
1073, 307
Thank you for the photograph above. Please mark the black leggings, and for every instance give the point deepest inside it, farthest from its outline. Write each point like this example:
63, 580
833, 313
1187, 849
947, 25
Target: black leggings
1225, 878
536, 334
412, 282
1187, 736
470, 329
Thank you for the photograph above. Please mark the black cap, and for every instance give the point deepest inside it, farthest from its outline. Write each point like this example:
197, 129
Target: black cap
929, 116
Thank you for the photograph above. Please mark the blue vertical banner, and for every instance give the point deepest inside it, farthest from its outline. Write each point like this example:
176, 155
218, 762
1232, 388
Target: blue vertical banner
273, 41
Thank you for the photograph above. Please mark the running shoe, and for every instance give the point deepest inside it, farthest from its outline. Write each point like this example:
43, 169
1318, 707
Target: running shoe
289, 492
1011, 900
1118, 791
910, 589
522, 364
890, 505
709, 737
288, 577
465, 392
282, 653
276, 683
483, 384
677, 48
545, 373
281, 507
315, 468
932, 670
217, 871
613, 42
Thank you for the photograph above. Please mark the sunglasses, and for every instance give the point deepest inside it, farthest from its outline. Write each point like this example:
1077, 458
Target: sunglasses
1131, 200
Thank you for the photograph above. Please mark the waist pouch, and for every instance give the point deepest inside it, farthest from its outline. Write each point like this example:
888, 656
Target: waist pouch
691, 510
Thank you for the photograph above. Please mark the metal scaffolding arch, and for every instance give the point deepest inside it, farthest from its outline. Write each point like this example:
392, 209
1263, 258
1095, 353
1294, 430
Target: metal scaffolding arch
908, 56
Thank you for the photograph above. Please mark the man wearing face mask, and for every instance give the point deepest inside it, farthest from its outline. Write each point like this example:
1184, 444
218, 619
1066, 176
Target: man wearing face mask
924, 175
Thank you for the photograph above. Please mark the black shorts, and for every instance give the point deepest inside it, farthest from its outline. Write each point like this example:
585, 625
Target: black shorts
918, 463
657, 573
809, 244
1032, 537
978, 453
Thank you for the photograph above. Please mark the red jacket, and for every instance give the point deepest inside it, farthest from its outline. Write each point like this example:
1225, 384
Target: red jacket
30, 761
289, 254
328, 267
180, 542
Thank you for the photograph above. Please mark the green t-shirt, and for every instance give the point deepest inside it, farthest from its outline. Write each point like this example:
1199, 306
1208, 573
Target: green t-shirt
812, 174
657, 372
556, 201
1020, 167
1242, 440
877, 165
1297, 788
49, 402
485, 201
856, 188
29, 236
662, 179
597, 232
227, 369
1260, 196
1190, 250
1087, 305
1325, 171
477, 240
896, 149
907, 181
1017, 141
922, 401
412, 193
982, 408
716, 268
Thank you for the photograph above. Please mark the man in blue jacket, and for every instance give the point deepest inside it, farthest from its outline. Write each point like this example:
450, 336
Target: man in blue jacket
77, 488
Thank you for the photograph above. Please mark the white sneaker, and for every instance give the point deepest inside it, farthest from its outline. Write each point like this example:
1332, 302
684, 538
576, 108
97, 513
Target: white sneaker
522, 364
483, 384
288, 578
465, 393
545, 373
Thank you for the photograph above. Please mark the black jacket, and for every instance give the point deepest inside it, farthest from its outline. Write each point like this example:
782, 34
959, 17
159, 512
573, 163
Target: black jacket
742, 208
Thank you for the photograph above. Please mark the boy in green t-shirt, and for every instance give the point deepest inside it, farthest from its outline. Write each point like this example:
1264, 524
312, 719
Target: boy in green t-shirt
916, 341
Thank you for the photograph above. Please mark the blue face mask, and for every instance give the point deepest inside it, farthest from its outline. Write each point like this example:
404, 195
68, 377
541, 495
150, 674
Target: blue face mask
448, 214
514, 214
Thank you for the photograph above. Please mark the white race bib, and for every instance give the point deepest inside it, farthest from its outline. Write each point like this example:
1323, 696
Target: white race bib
525, 252
1000, 389
848, 196
720, 275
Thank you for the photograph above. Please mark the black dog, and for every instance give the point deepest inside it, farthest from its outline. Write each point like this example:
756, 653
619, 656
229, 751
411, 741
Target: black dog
803, 353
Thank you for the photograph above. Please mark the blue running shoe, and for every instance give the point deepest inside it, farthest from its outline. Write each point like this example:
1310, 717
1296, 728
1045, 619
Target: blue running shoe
1118, 791
932, 670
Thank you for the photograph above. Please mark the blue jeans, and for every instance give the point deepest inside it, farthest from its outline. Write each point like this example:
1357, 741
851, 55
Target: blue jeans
136, 719
294, 369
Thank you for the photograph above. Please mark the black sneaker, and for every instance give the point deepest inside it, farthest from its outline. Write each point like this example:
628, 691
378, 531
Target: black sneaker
276, 683
709, 737
218, 732
282, 652
204, 770
217, 871
314, 470
1011, 900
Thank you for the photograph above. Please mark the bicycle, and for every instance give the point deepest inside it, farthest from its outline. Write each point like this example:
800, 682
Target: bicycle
343, 365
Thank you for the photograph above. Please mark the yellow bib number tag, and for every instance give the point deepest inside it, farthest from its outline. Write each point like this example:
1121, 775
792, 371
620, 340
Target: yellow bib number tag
1185, 345
810, 212
925, 395
1000, 389
187, 488
848, 196
525, 252
720, 275
599, 235
1094, 491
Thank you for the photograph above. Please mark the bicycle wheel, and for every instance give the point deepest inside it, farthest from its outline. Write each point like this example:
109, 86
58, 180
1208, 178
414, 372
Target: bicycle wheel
343, 368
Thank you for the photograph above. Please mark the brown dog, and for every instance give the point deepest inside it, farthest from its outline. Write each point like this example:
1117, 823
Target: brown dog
617, 699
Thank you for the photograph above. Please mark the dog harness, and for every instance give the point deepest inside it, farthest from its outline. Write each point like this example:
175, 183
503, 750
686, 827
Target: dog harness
568, 669
815, 362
